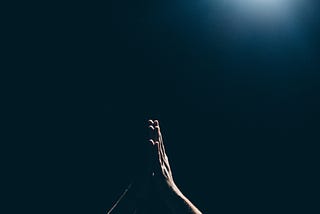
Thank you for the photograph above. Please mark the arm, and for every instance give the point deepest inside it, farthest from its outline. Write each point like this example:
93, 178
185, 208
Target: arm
159, 173
174, 198
179, 203
134, 197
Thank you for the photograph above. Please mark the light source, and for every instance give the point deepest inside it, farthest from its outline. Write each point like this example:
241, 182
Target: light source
267, 10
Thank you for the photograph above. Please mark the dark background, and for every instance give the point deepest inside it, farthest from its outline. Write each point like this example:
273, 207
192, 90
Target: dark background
239, 112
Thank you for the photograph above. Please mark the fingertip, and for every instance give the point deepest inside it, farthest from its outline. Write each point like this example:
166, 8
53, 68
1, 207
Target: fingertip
150, 122
151, 127
157, 128
156, 122
152, 142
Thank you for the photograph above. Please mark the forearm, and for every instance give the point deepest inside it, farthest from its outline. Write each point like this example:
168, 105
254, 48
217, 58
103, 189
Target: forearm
130, 199
179, 203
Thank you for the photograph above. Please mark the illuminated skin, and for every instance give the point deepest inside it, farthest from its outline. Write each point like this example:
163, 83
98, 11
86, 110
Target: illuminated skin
160, 175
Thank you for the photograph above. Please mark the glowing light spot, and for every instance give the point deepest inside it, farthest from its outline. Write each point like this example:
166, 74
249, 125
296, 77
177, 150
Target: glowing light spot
267, 10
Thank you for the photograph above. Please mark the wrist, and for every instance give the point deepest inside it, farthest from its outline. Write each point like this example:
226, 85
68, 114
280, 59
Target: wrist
172, 191
174, 188
178, 202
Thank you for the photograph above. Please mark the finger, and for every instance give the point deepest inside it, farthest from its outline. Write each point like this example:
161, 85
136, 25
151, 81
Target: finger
159, 153
159, 136
150, 122
151, 127
151, 132
156, 122
157, 132
152, 142
153, 148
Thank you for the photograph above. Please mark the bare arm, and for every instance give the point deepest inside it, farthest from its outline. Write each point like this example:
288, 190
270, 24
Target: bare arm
159, 173
174, 198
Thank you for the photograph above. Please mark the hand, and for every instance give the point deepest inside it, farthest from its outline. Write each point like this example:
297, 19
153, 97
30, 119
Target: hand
160, 168
162, 174
161, 178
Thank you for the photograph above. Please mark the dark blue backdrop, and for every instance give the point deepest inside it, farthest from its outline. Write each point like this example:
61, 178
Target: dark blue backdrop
238, 104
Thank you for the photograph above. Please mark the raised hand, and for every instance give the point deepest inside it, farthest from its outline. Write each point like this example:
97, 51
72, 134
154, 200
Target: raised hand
159, 178
161, 169
162, 174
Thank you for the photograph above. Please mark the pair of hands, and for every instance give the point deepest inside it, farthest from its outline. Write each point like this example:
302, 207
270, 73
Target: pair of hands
160, 175
159, 169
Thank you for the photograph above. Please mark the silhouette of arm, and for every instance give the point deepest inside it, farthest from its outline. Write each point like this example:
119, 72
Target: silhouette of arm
174, 198
133, 198
161, 180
